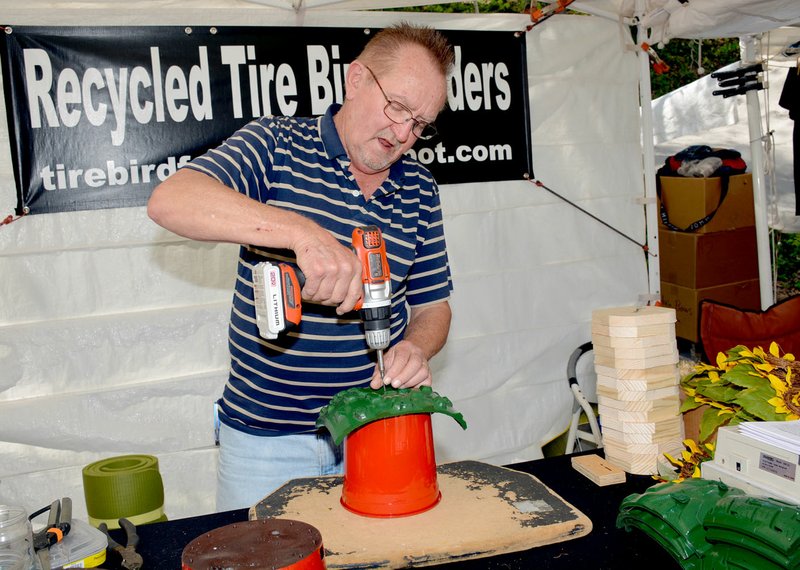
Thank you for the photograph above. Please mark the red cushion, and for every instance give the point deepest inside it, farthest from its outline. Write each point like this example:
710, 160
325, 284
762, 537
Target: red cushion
722, 327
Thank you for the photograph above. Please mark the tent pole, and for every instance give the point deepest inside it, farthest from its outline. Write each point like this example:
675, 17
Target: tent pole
648, 161
749, 48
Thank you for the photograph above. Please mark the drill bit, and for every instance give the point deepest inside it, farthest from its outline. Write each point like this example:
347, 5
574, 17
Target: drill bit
380, 364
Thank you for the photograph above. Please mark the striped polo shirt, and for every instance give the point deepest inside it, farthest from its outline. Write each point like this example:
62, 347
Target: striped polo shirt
278, 386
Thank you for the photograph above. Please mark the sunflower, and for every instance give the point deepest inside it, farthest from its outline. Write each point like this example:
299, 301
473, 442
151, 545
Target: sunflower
688, 466
787, 395
744, 385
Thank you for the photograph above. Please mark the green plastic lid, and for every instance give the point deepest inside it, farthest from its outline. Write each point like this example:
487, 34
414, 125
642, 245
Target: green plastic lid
353, 408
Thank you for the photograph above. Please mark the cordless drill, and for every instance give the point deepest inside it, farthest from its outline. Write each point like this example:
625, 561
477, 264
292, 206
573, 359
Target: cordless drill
276, 289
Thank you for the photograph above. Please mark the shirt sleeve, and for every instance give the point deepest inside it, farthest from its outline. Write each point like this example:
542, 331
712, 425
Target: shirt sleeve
429, 280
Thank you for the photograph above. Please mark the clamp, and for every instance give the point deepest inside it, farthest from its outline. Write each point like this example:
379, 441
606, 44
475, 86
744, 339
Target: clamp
58, 525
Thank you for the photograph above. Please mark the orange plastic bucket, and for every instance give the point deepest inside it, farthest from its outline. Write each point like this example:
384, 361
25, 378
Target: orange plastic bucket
390, 467
266, 543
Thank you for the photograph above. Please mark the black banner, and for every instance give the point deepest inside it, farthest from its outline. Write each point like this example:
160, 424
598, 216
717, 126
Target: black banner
99, 116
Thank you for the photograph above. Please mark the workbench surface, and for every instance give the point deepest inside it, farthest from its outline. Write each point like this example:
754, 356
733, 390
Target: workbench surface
605, 547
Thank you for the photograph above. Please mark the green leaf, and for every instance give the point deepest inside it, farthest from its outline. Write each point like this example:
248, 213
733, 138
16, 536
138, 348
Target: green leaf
754, 400
743, 376
719, 393
689, 404
710, 421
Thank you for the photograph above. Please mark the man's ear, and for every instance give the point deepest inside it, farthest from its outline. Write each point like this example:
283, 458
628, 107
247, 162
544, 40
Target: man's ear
354, 78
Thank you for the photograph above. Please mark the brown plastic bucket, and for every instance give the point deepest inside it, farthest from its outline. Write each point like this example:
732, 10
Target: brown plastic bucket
268, 543
390, 467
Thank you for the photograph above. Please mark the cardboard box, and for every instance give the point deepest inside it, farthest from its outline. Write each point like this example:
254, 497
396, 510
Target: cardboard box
705, 260
686, 302
687, 200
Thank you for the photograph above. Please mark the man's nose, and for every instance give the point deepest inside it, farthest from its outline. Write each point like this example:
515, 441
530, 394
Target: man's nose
403, 130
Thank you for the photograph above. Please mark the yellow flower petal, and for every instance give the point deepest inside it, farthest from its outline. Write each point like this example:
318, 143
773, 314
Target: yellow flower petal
777, 384
773, 349
691, 445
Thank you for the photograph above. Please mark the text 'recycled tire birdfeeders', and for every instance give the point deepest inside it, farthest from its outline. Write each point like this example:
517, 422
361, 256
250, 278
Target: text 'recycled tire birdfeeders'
389, 459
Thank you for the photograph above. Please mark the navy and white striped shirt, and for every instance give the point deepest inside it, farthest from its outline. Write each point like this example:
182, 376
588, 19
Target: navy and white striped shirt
278, 386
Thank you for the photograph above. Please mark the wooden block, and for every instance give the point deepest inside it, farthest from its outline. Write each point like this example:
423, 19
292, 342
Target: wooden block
639, 405
598, 470
630, 342
633, 316
654, 415
637, 465
638, 395
656, 448
636, 363
655, 373
634, 385
643, 352
663, 330
640, 463
671, 425
625, 438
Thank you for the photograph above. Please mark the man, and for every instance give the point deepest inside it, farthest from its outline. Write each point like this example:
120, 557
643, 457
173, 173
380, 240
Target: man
292, 190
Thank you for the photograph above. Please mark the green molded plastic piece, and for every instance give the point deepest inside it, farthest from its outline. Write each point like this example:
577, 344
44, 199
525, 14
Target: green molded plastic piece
672, 514
726, 557
353, 408
767, 527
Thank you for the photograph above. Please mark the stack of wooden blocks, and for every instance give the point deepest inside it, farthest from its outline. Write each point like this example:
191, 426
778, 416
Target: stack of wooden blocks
636, 360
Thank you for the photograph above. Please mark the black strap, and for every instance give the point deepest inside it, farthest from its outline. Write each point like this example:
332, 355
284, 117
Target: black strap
694, 226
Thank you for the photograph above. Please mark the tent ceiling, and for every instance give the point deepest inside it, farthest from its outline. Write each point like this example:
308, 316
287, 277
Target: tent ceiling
699, 19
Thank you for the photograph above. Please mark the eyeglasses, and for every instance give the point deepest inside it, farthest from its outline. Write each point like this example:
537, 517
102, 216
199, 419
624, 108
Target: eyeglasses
400, 114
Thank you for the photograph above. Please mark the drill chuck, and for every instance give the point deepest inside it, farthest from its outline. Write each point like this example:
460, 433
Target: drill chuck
377, 326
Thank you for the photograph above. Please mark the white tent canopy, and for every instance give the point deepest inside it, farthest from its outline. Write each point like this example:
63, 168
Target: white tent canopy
113, 330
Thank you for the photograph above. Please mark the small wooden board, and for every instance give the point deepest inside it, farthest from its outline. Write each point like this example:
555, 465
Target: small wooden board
485, 510
598, 470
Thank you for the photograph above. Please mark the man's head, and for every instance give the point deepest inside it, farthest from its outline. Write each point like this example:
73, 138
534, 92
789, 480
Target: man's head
396, 86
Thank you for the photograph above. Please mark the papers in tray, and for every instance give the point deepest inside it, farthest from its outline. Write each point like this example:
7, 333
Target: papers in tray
784, 435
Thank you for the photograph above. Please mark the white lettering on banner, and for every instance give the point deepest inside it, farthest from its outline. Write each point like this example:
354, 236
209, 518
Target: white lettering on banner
262, 78
463, 153
478, 87
73, 97
63, 178
323, 93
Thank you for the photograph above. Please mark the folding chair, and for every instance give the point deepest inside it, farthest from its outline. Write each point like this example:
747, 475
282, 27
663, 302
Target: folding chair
584, 396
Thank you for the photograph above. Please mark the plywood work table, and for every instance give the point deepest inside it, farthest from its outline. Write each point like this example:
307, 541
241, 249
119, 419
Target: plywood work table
605, 547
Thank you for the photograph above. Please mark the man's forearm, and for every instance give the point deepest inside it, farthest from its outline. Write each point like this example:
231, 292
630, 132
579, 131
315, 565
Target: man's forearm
428, 327
197, 206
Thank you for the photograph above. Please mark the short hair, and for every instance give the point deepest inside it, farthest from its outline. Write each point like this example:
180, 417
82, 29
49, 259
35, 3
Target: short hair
381, 50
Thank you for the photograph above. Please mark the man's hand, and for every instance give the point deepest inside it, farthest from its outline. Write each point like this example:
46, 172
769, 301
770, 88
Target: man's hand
407, 362
406, 367
332, 271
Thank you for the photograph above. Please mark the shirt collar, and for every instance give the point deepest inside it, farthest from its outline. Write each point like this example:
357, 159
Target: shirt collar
330, 136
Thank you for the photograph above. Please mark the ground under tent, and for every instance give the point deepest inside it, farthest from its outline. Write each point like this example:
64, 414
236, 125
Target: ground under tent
113, 331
